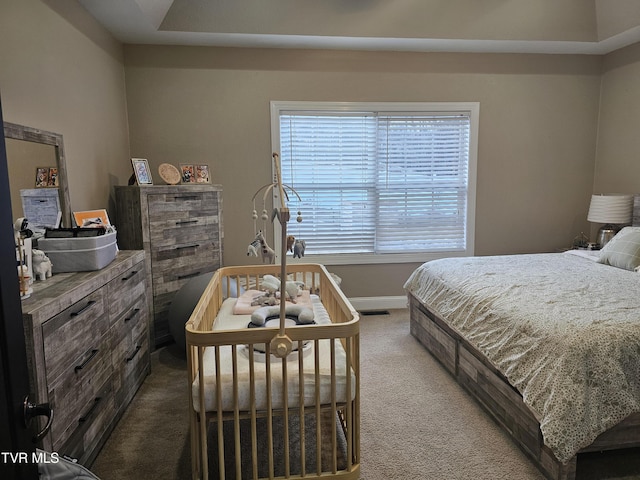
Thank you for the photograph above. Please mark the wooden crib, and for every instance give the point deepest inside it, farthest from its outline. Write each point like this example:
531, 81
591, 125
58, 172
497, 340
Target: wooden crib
291, 417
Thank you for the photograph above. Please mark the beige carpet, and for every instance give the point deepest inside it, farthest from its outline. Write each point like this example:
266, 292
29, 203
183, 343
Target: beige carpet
417, 423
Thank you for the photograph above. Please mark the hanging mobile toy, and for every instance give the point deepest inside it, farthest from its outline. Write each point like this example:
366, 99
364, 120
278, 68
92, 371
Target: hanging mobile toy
259, 244
281, 344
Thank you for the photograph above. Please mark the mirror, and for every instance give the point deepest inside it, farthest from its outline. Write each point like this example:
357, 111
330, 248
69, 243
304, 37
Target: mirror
27, 150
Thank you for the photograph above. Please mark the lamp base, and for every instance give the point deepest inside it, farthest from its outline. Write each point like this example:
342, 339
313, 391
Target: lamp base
606, 233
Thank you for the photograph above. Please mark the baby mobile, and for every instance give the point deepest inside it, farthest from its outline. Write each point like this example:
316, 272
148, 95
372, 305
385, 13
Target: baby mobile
259, 246
281, 344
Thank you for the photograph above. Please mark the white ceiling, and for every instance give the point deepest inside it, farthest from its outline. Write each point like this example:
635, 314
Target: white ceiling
347, 24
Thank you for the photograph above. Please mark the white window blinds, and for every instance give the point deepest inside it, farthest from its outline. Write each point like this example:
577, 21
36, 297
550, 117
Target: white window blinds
378, 183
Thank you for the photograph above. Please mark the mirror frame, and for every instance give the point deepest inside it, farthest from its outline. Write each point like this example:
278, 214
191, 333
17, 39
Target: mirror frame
30, 134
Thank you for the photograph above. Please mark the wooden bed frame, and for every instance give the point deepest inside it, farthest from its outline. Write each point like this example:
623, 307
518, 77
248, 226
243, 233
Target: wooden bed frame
502, 401
226, 425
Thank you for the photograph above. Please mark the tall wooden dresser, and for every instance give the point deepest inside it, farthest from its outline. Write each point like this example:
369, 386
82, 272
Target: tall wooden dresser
180, 229
88, 349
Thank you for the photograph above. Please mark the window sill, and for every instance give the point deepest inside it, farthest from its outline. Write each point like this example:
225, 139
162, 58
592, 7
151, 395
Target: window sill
372, 259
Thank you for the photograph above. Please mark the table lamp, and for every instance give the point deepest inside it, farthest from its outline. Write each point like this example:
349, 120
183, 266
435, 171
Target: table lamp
614, 210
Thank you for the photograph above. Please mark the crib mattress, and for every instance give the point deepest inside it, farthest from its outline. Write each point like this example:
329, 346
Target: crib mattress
226, 320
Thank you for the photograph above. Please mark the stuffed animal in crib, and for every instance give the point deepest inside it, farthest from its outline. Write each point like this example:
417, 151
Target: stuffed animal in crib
270, 284
298, 248
41, 265
293, 290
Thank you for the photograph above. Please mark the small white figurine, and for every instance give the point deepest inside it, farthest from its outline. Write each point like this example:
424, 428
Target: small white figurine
41, 265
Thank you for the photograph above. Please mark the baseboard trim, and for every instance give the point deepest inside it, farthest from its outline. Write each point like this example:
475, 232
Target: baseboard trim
379, 303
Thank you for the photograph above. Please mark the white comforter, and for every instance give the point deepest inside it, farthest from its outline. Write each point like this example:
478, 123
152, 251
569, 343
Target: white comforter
564, 330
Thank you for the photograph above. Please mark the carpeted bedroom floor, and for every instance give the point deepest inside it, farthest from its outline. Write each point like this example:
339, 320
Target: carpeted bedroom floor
417, 423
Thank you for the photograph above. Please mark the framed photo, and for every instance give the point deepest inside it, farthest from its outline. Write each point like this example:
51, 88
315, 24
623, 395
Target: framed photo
187, 173
42, 177
53, 177
92, 218
142, 171
202, 174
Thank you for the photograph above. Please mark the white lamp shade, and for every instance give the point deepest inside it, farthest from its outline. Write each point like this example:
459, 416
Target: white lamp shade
616, 209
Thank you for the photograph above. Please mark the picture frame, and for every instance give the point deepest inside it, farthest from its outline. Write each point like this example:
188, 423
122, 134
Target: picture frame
92, 218
202, 173
53, 177
42, 177
187, 173
141, 171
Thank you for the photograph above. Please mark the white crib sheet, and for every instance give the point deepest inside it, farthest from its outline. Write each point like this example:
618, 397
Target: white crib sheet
228, 321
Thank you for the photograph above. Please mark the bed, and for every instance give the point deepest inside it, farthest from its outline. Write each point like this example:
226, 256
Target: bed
549, 344
255, 415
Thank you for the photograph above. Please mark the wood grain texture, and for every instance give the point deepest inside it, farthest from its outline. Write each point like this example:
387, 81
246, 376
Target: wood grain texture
502, 401
72, 323
180, 229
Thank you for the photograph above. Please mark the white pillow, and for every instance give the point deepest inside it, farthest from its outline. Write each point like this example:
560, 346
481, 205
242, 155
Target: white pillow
623, 250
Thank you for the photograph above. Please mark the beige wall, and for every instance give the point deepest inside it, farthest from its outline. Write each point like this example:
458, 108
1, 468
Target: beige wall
538, 119
617, 166
61, 72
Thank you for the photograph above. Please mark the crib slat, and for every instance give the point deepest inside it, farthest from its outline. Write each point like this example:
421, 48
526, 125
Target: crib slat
334, 448
348, 412
219, 415
236, 412
316, 349
301, 412
269, 409
253, 413
285, 416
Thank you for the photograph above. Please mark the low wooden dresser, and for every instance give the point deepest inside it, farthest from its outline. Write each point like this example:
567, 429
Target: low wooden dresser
87, 336
180, 229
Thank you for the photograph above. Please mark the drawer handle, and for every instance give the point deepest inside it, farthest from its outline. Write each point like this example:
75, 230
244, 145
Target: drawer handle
184, 222
135, 352
193, 245
185, 197
130, 276
188, 275
86, 307
133, 315
86, 416
94, 352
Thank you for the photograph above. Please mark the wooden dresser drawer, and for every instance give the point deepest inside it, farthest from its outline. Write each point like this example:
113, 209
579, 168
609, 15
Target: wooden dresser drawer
131, 361
70, 336
174, 265
75, 395
184, 207
125, 290
92, 425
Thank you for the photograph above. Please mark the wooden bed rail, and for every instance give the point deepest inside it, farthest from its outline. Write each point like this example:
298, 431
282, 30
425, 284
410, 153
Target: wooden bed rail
301, 412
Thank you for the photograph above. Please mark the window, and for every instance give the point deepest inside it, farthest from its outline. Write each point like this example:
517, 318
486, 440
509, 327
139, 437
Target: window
379, 182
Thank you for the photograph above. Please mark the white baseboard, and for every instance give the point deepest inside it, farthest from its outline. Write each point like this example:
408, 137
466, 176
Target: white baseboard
378, 303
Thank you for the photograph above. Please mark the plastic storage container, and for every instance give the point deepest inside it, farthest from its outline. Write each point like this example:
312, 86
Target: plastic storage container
80, 254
